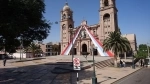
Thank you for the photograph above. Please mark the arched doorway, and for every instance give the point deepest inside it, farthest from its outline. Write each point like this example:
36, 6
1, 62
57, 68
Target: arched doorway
84, 48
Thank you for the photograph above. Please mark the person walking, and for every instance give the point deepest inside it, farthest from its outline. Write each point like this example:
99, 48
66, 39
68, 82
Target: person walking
143, 64
121, 63
4, 60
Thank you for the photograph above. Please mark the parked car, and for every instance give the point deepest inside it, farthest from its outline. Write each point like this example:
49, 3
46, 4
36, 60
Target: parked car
7, 56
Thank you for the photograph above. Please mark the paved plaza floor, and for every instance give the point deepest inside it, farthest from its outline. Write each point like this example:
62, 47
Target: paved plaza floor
39, 72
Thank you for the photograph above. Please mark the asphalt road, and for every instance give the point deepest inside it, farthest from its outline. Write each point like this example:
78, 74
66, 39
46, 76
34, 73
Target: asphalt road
140, 77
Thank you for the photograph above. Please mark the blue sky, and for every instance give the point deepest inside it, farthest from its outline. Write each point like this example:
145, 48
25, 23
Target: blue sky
133, 16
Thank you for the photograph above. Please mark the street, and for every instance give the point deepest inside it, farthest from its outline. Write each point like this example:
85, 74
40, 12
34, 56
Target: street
140, 77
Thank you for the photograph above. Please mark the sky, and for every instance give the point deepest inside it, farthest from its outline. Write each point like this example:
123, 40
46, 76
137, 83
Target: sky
133, 16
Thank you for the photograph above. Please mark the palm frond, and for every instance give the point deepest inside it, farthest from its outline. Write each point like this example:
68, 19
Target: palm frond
116, 43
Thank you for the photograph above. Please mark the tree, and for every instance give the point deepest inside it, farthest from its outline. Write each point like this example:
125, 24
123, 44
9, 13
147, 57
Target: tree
22, 19
34, 49
55, 48
142, 53
117, 44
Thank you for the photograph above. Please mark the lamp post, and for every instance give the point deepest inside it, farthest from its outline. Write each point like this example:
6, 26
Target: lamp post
133, 66
148, 50
20, 47
148, 54
71, 36
94, 79
4, 46
80, 44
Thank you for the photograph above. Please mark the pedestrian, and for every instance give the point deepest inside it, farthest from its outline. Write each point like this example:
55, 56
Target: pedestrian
124, 64
4, 60
121, 63
143, 64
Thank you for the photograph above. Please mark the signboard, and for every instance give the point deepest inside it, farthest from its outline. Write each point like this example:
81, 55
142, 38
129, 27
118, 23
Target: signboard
76, 64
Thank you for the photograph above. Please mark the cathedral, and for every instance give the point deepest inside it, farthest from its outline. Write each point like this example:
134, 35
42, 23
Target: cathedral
108, 22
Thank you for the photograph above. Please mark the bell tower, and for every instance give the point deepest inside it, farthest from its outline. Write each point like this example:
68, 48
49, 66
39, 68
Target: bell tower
66, 23
108, 18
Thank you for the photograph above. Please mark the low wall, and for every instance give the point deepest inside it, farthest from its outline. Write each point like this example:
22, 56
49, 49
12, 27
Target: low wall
17, 55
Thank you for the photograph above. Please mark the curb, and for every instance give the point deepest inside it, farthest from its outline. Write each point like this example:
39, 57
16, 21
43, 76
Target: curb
126, 76
25, 60
86, 67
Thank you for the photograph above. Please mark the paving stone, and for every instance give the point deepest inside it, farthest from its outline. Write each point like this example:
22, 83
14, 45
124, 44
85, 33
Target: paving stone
46, 81
16, 82
18, 64
43, 72
48, 76
29, 63
26, 81
33, 76
36, 82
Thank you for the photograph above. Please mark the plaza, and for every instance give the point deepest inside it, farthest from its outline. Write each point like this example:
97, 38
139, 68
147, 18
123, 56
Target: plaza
39, 71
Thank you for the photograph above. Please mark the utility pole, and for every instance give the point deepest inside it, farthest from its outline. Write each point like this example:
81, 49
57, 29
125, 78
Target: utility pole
148, 54
71, 35
148, 49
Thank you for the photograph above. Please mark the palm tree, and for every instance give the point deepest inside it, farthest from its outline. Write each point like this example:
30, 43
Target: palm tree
34, 49
117, 44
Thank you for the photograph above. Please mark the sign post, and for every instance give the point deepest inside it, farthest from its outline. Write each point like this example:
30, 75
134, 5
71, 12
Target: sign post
76, 66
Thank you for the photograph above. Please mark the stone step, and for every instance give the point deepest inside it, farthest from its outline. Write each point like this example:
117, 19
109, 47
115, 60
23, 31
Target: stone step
100, 64
104, 63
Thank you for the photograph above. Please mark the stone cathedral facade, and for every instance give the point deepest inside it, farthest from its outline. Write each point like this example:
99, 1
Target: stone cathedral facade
108, 22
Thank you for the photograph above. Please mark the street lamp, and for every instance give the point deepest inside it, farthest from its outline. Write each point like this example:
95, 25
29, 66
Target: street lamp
148, 54
148, 50
4, 46
133, 66
20, 46
71, 36
80, 42
94, 79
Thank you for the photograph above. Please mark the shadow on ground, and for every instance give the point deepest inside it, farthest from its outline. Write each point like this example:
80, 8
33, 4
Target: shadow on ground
32, 74
48, 73
85, 77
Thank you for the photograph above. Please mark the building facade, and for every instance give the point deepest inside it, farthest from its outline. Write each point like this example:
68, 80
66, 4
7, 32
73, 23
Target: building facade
49, 48
133, 43
108, 22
